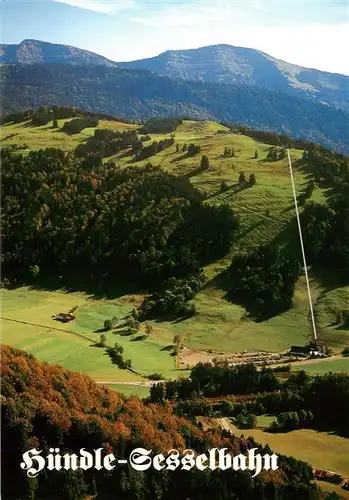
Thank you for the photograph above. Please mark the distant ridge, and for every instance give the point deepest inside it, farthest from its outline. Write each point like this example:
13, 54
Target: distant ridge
213, 64
228, 64
36, 52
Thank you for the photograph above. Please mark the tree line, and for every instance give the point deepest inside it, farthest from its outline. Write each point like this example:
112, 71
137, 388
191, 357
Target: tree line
325, 396
107, 142
56, 112
325, 227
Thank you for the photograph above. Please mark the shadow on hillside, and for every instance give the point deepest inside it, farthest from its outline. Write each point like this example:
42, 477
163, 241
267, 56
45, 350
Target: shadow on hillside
180, 158
251, 228
77, 285
29, 124
232, 189
172, 318
254, 310
329, 279
288, 209
342, 327
100, 330
220, 281
139, 338
179, 320
126, 333
167, 348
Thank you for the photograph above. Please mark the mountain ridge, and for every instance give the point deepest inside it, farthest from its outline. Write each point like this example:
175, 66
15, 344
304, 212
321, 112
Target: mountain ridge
220, 63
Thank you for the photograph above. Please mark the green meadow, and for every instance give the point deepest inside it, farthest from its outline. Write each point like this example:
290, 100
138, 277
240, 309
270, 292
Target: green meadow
131, 390
32, 137
27, 323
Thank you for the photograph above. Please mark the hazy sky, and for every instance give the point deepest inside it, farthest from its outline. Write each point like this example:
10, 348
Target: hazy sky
311, 33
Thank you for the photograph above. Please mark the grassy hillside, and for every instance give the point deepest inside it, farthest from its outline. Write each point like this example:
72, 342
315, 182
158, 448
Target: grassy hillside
29, 325
30, 137
267, 214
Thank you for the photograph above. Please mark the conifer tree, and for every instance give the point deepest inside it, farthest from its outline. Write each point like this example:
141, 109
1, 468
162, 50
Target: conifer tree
242, 178
252, 179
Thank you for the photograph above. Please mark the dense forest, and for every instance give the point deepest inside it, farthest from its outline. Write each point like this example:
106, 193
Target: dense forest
68, 218
326, 227
264, 280
44, 406
139, 94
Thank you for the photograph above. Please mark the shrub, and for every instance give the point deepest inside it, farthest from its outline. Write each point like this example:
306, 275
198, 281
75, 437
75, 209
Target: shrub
76, 125
110, 323
246, 421
276, 153
224, 187
103, 340
155, 376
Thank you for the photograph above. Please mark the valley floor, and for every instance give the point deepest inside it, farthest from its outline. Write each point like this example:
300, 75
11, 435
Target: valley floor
320, 449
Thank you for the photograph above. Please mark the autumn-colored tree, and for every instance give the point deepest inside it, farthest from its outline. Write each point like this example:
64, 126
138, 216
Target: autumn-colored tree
70, 411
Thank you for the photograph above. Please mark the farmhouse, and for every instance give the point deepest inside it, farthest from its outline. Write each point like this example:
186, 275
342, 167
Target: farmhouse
300, 350
315, 349
64, 317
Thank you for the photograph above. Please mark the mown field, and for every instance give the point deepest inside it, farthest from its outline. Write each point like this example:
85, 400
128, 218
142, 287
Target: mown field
266, 210
324, 366
73, 345
320, 449
131, 390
